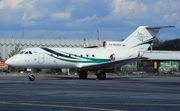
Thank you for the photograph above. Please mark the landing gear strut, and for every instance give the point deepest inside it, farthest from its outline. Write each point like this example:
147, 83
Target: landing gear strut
31, 77
82, 74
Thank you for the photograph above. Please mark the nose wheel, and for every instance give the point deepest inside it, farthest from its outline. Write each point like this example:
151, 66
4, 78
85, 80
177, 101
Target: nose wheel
31, 77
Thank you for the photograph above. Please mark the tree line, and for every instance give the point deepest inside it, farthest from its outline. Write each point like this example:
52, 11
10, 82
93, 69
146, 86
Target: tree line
173, 45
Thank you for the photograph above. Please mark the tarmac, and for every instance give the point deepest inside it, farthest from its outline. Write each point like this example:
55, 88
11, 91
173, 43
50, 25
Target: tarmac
116, 93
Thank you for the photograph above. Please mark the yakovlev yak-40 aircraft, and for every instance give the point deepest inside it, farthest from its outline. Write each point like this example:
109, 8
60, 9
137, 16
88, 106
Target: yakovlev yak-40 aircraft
97, 59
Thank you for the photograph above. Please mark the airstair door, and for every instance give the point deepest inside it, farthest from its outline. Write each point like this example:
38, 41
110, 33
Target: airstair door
41, 58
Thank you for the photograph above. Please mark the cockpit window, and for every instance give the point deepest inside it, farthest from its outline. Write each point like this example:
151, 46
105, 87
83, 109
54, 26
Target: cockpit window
30, 52
25, 52
21, 52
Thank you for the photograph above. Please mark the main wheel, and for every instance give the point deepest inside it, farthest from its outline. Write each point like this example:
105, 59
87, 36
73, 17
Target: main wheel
31, 77
82, 74
101, 76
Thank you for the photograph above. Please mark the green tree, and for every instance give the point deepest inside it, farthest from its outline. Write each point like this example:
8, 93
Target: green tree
167, 44
15, 51
0, 57
175, 44
157, 42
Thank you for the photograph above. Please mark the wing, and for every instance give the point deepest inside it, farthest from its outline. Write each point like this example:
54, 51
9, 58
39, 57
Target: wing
112, 64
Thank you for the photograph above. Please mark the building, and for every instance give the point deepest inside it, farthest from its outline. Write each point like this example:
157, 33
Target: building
163, 61
8, 44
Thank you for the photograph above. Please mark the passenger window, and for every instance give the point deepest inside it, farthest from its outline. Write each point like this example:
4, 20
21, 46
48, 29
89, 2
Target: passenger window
93, 55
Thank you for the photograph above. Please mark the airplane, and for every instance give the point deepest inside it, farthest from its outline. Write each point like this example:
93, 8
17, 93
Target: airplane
111, 54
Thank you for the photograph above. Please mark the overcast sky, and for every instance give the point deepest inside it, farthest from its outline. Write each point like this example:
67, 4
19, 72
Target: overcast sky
80, 19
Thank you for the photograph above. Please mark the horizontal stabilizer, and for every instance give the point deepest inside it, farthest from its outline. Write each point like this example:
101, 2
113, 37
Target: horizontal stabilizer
160, 27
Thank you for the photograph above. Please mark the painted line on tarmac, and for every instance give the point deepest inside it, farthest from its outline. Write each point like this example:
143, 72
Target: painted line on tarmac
123, 83
90, 103
143, 104
57, 106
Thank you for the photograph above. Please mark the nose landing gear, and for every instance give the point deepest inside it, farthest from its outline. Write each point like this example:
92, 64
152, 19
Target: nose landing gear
31, 77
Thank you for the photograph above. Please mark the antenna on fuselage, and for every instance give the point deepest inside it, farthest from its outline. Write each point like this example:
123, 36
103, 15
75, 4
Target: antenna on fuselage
84, 42
97, 34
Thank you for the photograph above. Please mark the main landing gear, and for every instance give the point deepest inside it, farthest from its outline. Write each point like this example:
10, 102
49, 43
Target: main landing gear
82, 74
101, 75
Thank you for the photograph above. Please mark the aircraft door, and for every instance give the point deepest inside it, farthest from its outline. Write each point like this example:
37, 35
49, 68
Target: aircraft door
41, 58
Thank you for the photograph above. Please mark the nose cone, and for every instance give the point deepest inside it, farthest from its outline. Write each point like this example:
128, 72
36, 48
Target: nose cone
13, 61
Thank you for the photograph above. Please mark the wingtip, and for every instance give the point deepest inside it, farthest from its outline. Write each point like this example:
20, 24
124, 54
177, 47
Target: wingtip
171, 26
160, 27
141, 57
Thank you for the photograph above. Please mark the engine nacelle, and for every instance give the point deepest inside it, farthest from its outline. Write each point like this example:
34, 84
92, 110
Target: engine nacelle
112, 44
112, 57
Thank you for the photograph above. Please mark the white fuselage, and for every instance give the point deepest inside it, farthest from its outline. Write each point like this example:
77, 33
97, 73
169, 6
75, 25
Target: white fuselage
68, 57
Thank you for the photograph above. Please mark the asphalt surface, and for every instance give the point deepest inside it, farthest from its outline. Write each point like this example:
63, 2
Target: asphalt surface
68, 93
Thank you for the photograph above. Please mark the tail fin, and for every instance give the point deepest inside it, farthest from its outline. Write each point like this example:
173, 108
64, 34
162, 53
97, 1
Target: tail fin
142, 37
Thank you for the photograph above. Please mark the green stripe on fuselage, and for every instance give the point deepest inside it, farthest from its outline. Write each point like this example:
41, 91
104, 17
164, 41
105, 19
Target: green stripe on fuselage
85, 59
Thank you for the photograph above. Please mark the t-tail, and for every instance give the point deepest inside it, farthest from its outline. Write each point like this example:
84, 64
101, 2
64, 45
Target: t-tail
142, 37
